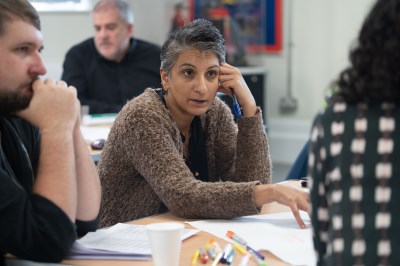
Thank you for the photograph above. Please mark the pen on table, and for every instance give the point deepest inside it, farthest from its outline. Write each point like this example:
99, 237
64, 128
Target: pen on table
257, 254
230, 257
195, 257
245, 259
245, 254
260, 262
243, 242
217, 259
227, 251
216, 246
211, 251
239, 248
203, 255
236, 237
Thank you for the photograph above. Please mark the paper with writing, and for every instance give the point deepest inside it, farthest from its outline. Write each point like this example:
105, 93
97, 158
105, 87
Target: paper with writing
279, 233
125, 241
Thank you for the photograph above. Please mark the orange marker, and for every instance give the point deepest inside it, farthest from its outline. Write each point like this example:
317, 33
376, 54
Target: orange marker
236, 237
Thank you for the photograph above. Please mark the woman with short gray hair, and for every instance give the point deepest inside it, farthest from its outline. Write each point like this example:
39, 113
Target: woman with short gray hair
179, 148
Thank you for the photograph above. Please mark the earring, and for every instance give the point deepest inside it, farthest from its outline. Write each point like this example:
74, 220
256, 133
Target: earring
163, 85
165, 89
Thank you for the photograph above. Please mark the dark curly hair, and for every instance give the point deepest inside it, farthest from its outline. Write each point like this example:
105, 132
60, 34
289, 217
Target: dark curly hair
374, 74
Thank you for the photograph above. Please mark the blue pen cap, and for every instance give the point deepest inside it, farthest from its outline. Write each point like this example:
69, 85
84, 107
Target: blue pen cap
236, 109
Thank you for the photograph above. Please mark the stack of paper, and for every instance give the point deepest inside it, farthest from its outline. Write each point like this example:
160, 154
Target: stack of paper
118, 242
279, 233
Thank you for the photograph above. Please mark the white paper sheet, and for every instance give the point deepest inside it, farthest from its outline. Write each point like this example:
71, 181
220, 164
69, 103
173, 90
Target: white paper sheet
92, 133
121, 241
279, 233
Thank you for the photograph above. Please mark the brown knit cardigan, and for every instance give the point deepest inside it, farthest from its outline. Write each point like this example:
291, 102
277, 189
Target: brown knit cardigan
142, 169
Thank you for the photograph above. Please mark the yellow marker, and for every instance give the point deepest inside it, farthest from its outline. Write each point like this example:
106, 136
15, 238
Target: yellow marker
239, 248
195, 257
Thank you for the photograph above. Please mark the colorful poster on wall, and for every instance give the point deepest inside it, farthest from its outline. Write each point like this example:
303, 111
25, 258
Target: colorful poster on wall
247, 25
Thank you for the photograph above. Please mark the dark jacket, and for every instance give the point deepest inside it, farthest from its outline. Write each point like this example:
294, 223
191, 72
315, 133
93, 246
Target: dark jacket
31, 226
106, 86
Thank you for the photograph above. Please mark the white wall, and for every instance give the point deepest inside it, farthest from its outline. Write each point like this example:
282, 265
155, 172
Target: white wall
61, 30
322, 32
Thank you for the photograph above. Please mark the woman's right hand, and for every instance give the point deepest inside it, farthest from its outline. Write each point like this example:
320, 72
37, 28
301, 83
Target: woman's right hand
296, 199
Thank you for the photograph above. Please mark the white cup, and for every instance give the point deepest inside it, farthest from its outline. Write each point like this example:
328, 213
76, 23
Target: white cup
165, 239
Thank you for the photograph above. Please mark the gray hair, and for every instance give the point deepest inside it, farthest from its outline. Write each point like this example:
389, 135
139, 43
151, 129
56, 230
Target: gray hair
11, 9
122, 6
200, 35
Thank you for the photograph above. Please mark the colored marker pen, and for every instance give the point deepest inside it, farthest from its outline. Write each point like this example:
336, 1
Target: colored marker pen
229, 260
260, 261
243, 242
245, 260
236, 237
217, 259
227, 251
210, 251
216, 246
239, 248
195, 257
203, 255
257, 254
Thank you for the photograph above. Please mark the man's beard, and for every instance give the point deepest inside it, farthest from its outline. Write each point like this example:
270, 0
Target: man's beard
12, 101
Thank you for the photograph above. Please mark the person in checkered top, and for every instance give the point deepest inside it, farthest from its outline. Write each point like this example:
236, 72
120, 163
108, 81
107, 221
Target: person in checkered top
355, 146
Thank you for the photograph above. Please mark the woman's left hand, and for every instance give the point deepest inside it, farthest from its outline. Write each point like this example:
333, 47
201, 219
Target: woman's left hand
232, 81
296, 199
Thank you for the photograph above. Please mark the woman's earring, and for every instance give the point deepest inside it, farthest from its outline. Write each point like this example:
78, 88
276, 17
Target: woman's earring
164, 88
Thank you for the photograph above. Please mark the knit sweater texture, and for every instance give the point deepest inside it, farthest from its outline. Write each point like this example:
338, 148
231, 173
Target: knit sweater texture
143, 171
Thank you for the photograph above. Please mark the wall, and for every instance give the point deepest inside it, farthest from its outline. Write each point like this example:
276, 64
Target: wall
61, 30
322, 33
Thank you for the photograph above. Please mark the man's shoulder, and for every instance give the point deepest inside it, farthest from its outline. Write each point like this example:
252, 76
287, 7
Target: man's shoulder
83, 47
142, 44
